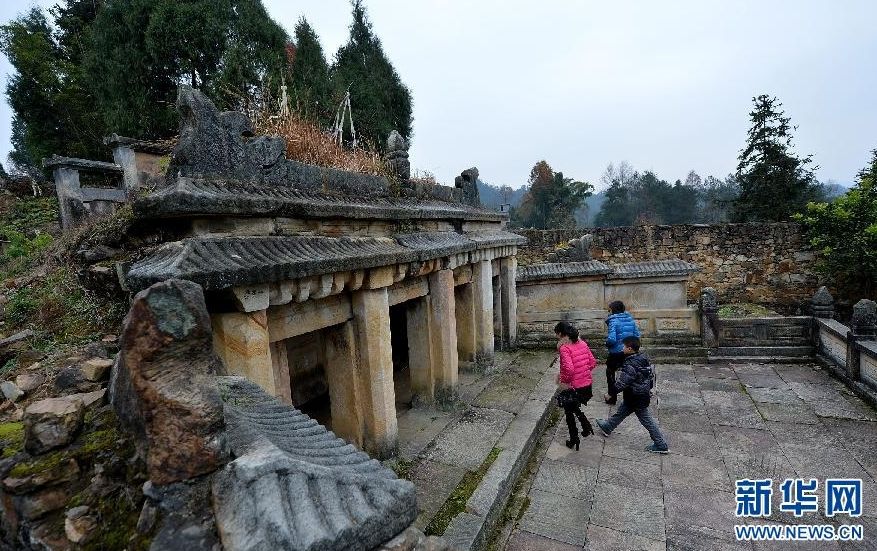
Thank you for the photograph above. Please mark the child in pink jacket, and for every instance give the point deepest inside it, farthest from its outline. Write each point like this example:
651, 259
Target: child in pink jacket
576, 363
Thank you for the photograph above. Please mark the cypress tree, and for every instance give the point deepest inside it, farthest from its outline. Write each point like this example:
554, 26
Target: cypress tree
774, 182
310, 88
381, 102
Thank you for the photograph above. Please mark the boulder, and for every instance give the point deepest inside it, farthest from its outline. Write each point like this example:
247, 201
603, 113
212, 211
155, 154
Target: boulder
162, 386
96, 369
28, 382
79, 524
37, 504
51, 423
51, 475
11, 391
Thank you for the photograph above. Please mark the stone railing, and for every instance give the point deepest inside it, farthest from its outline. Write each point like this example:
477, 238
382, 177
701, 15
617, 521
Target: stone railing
850, 352
77, 203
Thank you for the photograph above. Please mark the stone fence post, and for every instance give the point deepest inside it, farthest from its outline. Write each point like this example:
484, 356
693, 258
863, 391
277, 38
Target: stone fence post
822, 304
862, 328
397, 158
709, 317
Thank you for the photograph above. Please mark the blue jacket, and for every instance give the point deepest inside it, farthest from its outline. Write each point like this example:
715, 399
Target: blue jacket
619, 326
635, 380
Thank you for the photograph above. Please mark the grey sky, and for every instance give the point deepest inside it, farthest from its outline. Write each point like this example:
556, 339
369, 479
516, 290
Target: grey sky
667, 86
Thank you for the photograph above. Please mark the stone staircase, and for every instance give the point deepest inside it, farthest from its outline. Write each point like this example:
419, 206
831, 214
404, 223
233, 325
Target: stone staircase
675, 349
764, 340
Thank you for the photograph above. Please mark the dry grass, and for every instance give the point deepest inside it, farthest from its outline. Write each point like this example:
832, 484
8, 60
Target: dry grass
307, 143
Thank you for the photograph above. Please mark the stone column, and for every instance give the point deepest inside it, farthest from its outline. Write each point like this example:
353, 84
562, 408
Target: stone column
822, 304
420, 357
343, 376
241, 340
466, 315
482, 292
280, 364
508, 274
377, 401
498, 337
443, 334
862, 328
709, 317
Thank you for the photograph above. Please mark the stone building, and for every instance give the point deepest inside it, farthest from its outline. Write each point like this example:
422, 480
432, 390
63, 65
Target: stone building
340, 293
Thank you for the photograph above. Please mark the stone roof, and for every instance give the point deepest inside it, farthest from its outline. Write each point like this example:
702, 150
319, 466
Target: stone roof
294, 485
653, 268
222, 262
84, 165
220, 197
158, 147
562, 270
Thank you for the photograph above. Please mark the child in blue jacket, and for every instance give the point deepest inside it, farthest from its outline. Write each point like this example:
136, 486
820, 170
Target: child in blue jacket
619, 325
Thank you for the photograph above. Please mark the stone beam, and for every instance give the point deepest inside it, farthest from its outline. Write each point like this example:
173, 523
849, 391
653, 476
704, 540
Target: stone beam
408, 289
482, 294
294, 319
371, 322
241, 340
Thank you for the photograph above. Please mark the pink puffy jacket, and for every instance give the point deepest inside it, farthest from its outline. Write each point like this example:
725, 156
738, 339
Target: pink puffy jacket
576, 364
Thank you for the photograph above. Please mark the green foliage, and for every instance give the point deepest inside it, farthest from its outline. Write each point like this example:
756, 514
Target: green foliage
845, 233
644, 198
381, 102
774, 182
310, 87
551, 199
142, 49
52, 109
456, 502
11, 438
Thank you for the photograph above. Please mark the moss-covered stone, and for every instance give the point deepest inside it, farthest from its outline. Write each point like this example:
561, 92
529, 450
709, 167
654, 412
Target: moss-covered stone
456, 502
11, 438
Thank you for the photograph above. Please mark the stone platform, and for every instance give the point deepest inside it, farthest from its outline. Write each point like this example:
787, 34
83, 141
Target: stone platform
723, 423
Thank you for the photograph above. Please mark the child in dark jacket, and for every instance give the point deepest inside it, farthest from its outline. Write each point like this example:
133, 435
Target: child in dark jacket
619, 324
635, 381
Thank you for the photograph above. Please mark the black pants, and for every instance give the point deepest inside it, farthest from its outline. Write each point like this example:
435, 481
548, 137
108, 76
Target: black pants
583, 394
613, 364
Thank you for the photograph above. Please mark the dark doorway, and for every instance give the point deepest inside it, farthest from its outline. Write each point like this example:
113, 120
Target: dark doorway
399, 344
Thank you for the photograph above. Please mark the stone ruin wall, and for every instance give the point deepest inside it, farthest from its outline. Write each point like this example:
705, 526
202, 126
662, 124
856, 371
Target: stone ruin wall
768, 264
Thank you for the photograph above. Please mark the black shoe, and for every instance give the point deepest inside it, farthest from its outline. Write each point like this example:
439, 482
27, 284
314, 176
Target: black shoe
588, 430
572, 444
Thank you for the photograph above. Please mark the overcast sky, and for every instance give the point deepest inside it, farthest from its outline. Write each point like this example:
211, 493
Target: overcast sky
667, 86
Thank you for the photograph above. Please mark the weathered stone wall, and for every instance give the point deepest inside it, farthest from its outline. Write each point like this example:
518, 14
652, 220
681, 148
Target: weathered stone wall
767, 264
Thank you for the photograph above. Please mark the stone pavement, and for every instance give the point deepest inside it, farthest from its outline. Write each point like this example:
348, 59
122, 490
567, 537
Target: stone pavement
437, 448
723, 423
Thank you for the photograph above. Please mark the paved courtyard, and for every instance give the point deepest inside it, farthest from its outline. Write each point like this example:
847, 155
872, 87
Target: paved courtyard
723, 423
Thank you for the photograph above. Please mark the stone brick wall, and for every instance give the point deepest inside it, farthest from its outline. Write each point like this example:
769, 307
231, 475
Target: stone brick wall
767, 264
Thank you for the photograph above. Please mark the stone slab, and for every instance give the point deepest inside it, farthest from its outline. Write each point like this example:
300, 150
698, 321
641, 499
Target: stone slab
637, 511
606, 539
468, 440
557, 517
566, 479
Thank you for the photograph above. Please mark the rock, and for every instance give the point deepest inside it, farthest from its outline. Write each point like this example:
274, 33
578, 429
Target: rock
162, 386
72, 378
11, 391
29, 357
51, 423
96, 369
79, 524
110, 339
63, 471
28, 382
186, 521
91, 400
406, 541
17, 337
147, 518
37, 504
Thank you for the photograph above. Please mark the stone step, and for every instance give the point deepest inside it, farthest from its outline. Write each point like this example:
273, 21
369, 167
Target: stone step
674, 351
789, 351
796, 341
667, 360
759, 359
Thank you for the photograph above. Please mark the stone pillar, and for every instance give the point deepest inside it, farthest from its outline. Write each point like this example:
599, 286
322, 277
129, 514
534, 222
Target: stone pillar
822, 304
466, 314
377, 401
709, 317
420, 357
508, 274
862, 328
443, 334
482, 293
241, 340
396, 158
343, 375
280, 364
498, 337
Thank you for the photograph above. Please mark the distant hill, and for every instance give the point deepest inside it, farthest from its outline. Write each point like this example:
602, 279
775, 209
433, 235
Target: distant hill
492, 197
833, 190
585, 215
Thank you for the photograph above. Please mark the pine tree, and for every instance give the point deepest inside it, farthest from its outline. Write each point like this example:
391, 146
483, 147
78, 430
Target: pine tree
551, 199
310, 88
381, 102
774, 182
